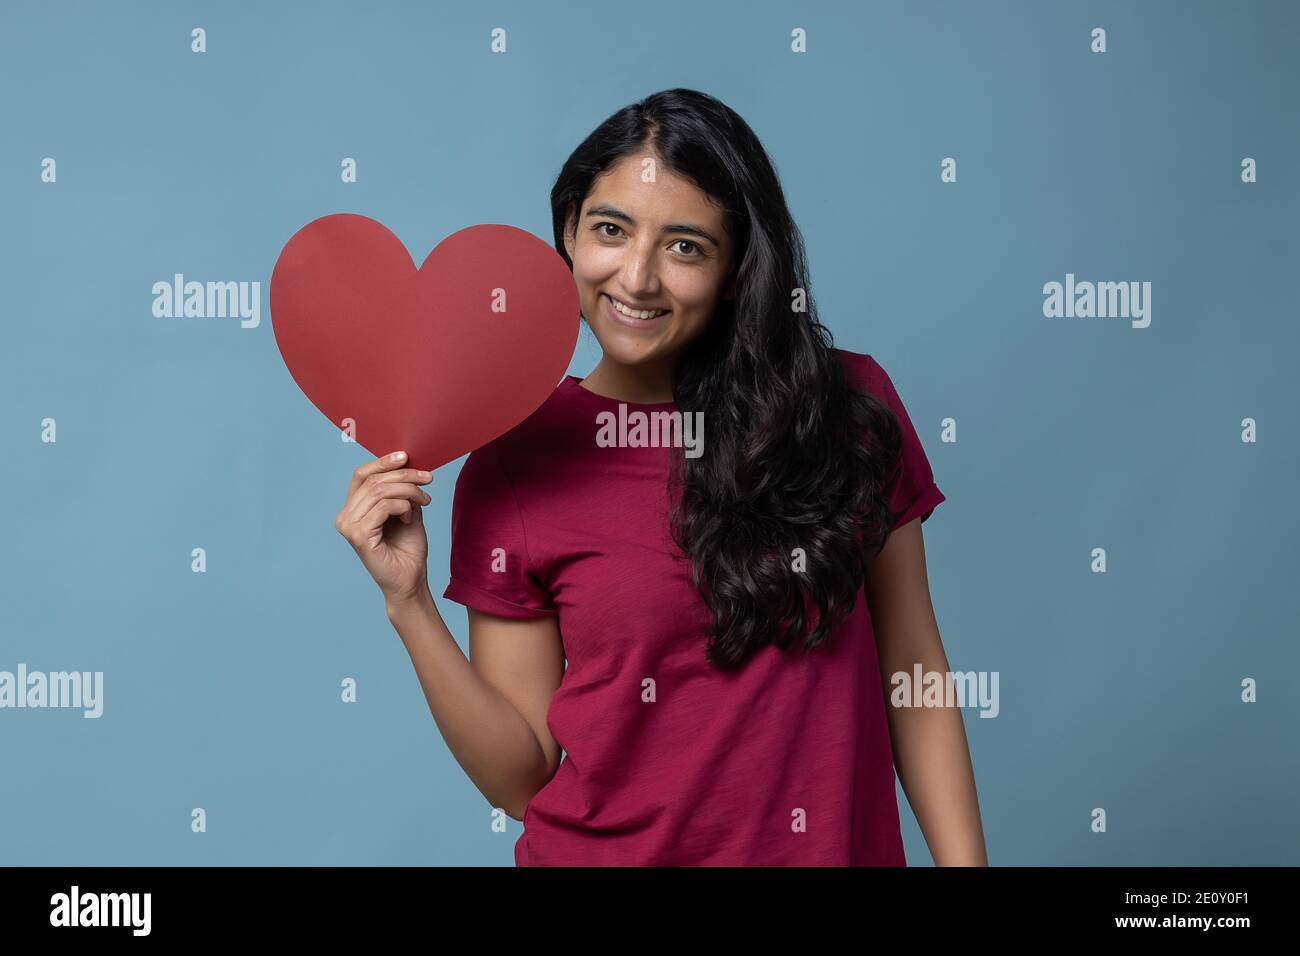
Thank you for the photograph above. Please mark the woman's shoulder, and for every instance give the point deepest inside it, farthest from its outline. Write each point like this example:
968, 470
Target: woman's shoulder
864, 371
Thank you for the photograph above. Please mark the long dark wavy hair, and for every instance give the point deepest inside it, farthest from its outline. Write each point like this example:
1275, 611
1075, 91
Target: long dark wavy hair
798, 457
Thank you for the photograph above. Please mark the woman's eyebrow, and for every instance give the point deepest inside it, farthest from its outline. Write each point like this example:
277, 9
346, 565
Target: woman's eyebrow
613, 212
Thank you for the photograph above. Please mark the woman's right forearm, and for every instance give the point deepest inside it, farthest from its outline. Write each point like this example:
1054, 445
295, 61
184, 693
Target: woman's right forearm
486, 734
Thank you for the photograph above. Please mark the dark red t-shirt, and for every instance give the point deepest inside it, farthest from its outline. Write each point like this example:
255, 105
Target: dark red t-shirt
667, 760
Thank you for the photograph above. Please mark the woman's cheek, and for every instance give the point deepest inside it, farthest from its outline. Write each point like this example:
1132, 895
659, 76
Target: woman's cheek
695, 293
594, 264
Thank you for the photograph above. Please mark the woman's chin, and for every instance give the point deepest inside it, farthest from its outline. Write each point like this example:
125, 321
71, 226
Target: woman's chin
630, 346
630, 354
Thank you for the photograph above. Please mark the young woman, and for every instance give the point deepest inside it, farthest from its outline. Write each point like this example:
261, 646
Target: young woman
725, 700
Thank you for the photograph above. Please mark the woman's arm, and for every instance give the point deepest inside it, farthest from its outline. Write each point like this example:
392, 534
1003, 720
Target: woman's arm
930, 750
491, 713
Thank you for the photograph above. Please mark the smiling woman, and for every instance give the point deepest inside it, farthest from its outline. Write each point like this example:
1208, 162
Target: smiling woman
673, 660
650, 258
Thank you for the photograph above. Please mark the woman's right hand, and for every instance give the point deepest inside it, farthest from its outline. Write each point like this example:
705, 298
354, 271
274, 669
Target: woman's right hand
382, 521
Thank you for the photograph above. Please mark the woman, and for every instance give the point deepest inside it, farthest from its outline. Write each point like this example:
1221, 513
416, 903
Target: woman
724, 701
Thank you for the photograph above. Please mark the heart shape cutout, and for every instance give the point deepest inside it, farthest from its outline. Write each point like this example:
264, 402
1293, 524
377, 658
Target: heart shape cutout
438, 360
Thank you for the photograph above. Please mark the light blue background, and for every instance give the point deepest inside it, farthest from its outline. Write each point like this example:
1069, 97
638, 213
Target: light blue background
222, 689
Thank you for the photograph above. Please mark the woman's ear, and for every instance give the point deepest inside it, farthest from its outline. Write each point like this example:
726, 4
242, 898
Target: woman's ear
569, 231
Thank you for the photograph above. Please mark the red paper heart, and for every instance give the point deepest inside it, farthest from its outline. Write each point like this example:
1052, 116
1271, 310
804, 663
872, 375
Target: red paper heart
419, 359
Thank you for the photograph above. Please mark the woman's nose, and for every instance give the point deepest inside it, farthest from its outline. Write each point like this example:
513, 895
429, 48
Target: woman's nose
638, 274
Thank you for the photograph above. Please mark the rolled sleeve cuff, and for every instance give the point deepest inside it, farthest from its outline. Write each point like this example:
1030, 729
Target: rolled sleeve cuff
921, 507
489, 603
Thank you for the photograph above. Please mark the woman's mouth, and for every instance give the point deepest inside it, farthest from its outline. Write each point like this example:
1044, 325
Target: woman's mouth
634, 318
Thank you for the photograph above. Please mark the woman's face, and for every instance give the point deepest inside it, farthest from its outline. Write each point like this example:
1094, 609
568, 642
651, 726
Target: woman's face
651, 241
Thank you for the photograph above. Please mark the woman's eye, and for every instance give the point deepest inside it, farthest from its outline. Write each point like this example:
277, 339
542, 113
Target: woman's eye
600, 228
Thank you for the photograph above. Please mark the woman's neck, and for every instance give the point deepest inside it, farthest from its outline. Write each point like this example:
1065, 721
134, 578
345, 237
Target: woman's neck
637, 384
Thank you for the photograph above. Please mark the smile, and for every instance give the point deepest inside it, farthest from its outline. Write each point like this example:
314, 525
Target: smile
621, 311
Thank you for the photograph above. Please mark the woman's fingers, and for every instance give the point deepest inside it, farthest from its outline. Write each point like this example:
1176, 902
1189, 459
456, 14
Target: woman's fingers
377, 466
375, 482
375, 489
382, 510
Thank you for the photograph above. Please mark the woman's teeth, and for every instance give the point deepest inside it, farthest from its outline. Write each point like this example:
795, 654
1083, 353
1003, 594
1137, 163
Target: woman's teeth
636, 313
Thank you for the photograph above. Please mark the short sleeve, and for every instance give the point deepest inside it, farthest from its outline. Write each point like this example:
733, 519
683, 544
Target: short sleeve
914, 493
490, 562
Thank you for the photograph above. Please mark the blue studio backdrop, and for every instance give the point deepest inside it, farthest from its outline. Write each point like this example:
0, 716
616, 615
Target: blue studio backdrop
1118, 544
